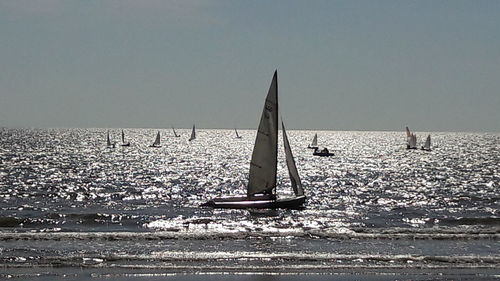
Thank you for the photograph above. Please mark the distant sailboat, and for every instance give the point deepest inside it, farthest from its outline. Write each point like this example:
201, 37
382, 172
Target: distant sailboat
123, 140
427, 145
314, 144
175, 134
411, 139
261, 188
237, 136
157, 141
110, 144
193, 134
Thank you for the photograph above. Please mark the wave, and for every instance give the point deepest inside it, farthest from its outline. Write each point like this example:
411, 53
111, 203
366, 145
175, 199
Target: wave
247, 260
472, 221
409, 234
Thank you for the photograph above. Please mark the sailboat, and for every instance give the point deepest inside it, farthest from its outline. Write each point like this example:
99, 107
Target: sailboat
157, 141
193, 134
261, 188
175, 134
237, 136
123, 140
411, 139
109, 144
323, 152
314, 143
427, 144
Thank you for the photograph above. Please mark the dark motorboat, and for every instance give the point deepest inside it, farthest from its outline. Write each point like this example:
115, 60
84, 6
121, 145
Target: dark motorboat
323, 152
261, 188
314, 143
157, 141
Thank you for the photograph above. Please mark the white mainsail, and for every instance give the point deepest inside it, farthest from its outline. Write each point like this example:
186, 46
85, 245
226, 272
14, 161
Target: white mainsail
175, 134
427, 144
123, 137
193, 134
262, 178
237, 136
408, 133
315, 141
157, 140
292, 168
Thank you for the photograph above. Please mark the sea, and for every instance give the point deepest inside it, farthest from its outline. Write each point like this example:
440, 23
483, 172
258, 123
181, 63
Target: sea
73, 209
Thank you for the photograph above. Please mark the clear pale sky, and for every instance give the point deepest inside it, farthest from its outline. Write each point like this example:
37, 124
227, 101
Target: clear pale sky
342, 65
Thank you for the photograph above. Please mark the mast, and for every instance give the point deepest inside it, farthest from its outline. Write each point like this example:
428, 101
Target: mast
262, 176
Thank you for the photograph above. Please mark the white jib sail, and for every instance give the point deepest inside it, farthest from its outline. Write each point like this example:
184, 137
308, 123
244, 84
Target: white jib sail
262, 178
292, 168
109, 140
193, 134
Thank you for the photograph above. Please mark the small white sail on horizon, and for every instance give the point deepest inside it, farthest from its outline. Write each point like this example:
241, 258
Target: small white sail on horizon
193, 134
156, 143
109, 144
411, 139
427, 144
314, 143
237, 135
175, 134
123, 140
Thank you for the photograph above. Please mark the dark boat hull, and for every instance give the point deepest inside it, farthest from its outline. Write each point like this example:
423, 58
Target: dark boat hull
257, 203
321, 154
